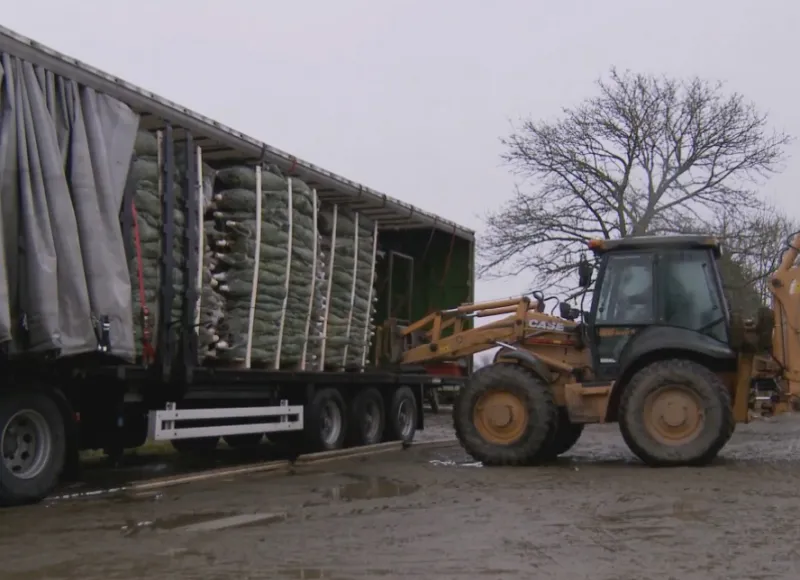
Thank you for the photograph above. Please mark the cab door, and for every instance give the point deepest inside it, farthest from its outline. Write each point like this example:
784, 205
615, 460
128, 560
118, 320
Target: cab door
624, 303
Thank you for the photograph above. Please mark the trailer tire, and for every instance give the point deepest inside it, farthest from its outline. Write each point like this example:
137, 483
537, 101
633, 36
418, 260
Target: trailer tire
694, 432
27, 416
401, 421
525, 423
243, 441
326, 421
366, 418
195, 446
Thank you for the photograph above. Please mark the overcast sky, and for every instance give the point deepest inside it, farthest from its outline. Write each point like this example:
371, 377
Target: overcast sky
410, 97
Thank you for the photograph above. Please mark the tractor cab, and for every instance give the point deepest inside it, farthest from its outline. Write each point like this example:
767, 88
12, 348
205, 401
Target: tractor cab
655, 292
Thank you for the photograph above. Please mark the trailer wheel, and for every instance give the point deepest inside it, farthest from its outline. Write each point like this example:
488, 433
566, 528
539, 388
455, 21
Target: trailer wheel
243, 441
401, 423
505, 415
195, 446
676, 412
32, 442
366, 419
326, 421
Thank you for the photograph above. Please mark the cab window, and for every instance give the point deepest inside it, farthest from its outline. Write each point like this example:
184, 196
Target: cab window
689, 293
626, 296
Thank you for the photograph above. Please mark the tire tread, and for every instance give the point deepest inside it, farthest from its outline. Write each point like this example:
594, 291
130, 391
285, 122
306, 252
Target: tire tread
531, 448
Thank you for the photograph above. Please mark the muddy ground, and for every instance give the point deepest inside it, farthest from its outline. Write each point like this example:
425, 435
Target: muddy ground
431, 513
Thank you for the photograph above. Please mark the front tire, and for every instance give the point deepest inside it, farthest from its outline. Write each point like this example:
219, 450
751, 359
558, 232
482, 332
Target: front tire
505, 415
32, 447
676, 412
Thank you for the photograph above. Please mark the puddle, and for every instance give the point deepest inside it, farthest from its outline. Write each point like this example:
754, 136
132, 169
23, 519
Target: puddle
240, 521
205, 522
114, 494
90, 494
326, 574
451, 463
305, 573
369, 488
132, 528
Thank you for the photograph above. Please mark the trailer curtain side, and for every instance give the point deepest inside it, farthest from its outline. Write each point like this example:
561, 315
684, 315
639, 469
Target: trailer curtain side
74, 280
64, 156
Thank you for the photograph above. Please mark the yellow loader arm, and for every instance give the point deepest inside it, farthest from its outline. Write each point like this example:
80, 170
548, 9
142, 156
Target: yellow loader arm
441, 336
785, 288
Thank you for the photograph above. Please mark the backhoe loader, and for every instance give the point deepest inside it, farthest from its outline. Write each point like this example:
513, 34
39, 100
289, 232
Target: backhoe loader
659, 352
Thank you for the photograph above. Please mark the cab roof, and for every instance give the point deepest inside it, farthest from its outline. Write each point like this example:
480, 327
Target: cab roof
657, 243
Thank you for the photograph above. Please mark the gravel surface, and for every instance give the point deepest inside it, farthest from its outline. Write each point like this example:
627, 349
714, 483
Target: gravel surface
431, 512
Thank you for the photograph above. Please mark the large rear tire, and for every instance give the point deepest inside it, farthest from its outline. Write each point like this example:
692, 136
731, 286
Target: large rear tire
676, 412
32, 447
505, 415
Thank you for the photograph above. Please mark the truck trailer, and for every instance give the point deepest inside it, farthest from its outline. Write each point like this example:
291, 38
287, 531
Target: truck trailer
166, 277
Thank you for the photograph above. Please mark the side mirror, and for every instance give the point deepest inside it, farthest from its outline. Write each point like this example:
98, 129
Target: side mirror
585, 271
567, 312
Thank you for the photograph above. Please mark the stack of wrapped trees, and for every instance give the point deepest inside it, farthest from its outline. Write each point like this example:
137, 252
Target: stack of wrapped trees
292, 280
145, 176
349, 247
269, 270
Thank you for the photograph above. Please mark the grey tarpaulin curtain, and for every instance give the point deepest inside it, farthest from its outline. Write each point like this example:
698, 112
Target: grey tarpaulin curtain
65, 151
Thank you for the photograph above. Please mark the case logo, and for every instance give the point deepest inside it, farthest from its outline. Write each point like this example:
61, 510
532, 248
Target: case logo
546, 325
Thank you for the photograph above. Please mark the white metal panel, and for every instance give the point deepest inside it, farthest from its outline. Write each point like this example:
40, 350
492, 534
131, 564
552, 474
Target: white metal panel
227, 413
161, 424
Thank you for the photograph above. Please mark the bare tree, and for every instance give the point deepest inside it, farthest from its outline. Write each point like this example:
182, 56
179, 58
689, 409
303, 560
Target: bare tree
643, 156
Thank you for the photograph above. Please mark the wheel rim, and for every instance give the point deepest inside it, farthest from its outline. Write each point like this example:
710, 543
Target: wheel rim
26, 444
673, 415
405, 418
500, 417
331, 422
372, 420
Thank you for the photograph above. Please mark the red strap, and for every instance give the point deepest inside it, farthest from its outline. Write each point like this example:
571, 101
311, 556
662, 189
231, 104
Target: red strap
147, 347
